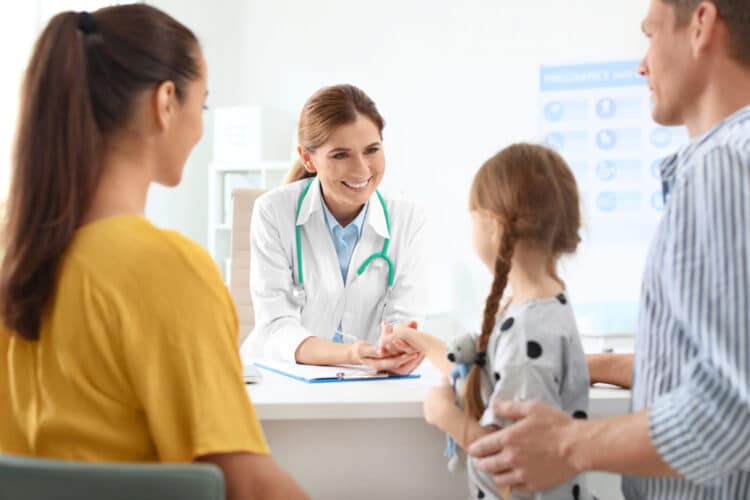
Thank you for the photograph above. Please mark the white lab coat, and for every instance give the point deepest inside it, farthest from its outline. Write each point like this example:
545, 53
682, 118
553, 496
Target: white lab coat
281, 321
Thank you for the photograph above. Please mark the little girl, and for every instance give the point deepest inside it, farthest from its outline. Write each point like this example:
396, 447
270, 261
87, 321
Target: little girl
525, 210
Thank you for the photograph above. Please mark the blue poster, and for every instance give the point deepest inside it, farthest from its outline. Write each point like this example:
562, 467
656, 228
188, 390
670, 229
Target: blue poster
598, 117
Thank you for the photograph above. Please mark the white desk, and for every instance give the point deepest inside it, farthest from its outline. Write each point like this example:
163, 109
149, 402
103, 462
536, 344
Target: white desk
368, 440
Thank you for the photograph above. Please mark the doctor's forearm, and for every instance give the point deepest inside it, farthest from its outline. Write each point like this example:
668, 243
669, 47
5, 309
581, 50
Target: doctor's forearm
315, 351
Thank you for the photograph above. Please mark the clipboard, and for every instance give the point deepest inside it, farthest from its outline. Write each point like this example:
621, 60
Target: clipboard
312, 374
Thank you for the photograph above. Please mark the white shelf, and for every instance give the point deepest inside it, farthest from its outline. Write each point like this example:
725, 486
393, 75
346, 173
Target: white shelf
245, 137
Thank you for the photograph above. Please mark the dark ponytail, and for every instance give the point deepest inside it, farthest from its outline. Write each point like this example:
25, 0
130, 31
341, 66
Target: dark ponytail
85, 73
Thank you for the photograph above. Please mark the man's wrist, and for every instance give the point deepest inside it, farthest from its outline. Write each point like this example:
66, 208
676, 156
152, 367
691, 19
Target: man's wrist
573, 445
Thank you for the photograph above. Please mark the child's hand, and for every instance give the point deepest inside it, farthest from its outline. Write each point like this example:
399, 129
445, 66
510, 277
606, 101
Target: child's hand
405, 338
362, 353
440, 400
391, 344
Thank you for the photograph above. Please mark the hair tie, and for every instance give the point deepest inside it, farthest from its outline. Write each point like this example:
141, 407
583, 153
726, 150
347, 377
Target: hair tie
86, 23
481, 358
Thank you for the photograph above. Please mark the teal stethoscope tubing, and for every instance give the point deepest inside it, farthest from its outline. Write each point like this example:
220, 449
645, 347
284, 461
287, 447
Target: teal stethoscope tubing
383, 254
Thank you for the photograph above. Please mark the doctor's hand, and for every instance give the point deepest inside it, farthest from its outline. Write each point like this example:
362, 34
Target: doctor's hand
403, 338
530, 454
390, 344
363, 353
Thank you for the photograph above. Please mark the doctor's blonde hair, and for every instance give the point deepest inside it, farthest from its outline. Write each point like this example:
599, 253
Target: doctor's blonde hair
326, 109
532, 193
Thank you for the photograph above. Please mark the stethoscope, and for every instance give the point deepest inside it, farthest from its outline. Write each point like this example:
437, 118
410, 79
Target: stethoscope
299, 289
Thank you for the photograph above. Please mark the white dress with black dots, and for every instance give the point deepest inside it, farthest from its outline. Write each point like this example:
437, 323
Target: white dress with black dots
535, 353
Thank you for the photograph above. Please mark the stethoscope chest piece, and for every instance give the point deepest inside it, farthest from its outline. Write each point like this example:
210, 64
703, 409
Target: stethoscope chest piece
299, 296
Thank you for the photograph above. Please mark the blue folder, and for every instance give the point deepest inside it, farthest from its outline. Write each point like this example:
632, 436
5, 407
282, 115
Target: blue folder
326, 374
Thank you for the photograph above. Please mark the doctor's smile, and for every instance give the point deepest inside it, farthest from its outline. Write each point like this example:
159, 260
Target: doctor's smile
357, 186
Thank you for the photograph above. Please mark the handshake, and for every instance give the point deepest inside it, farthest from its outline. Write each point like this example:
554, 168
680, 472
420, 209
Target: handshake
399, 351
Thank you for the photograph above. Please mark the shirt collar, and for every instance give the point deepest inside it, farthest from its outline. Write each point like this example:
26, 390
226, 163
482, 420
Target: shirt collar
374, 216
674, 165
358, 221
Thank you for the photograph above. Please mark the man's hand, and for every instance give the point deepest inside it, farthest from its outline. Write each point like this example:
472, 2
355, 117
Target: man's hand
531, 454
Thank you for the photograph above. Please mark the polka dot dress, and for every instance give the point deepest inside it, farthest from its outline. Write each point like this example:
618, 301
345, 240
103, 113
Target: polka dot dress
535, 354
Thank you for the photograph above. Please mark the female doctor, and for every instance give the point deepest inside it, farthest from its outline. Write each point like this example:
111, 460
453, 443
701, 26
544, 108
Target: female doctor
333, 264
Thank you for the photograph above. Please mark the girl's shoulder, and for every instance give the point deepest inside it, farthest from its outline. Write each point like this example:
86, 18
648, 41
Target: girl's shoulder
531, 328
552, 316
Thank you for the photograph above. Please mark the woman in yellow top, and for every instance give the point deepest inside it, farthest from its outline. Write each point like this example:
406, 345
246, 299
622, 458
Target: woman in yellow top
121, 341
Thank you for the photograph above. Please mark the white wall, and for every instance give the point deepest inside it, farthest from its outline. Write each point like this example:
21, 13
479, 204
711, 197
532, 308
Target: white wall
220, 26
19, 30
17, 34
183, 209
455, 81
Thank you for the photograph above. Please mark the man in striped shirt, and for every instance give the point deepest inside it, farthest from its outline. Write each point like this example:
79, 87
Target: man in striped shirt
689, 434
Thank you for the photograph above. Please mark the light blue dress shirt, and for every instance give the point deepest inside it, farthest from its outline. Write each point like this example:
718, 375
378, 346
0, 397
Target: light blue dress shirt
344, 241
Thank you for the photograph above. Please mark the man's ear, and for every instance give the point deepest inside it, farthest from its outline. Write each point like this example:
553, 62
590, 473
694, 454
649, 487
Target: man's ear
703, 28
306, 159
164, 102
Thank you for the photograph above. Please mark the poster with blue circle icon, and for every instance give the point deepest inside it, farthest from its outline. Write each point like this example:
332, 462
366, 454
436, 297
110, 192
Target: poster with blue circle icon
598, 117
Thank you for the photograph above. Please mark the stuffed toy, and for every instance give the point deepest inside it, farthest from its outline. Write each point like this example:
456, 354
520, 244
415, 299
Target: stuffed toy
462, 351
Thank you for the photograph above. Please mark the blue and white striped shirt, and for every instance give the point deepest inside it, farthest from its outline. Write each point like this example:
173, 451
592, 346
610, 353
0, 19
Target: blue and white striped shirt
692, 355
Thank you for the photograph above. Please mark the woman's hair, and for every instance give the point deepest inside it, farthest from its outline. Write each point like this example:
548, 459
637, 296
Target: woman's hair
80, 87
533, 194
328, 108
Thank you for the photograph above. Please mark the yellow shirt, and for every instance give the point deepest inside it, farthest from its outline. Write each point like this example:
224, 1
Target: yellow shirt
137, 359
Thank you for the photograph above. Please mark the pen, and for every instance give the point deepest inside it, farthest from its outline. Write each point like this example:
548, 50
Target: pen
342, 338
